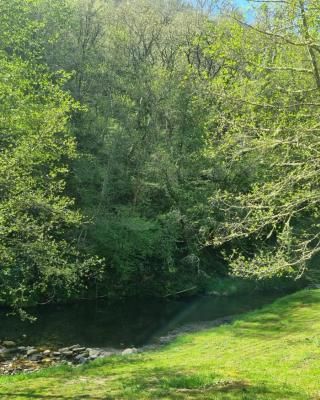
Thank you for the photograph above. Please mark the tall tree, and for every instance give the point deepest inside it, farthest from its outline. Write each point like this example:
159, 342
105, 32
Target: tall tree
38, 256
268, 126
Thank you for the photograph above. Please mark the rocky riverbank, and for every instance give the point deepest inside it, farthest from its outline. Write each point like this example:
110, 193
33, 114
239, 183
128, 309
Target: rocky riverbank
15, 358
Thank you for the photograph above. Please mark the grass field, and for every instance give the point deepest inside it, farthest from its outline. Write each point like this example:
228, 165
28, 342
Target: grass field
273, 353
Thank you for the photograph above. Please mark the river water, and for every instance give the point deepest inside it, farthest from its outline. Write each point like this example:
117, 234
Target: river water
122, 324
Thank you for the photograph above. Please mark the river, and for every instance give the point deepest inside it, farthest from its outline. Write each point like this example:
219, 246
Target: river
122, 324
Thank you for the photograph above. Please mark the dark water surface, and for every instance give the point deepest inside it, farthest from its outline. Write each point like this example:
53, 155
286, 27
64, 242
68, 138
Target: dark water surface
120, 325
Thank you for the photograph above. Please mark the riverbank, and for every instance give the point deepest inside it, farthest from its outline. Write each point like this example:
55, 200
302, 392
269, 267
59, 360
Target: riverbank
270, 354
16, 359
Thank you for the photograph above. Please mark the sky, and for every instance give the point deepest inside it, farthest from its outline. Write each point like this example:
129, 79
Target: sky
243, 4
239, 3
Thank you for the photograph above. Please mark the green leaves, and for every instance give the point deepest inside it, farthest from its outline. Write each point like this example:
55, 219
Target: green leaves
274, 134
38, 259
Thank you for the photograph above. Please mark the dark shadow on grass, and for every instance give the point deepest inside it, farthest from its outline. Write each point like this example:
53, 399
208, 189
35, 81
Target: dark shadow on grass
27, 395
176, 384
158, 383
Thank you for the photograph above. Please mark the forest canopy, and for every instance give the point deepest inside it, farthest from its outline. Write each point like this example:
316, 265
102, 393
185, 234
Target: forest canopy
148, 147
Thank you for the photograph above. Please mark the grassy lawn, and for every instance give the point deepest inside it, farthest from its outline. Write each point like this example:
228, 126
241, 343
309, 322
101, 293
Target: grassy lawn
270, 354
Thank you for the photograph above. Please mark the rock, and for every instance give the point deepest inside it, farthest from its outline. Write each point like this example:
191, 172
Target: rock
81, 359
105, 354
78, 349
9, 343
27, 359
94, 353
127, 352
35, 357
75, 346
31, 351
67, 353
84, 354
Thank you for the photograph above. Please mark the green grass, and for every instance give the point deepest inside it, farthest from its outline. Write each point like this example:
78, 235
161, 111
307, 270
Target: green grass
269, 354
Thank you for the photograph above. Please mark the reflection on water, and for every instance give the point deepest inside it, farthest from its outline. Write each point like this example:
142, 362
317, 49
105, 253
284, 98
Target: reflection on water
118, 325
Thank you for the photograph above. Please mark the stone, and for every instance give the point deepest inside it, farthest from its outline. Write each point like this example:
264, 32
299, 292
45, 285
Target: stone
31, 351
78, 349
67, 353
127, 352
62, 350
85, 354
46, 352
56, 353
81, 359
35, 357
94, 353
9, 343
75, 346
105, 354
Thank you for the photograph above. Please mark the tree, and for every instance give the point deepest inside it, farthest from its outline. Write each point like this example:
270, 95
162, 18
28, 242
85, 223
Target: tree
39, 258
141, 139
268, 126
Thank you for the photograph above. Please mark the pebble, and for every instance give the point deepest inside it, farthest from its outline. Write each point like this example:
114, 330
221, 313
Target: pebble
94, 353
35, 357
127, 352
67, 353
27, 359
75, 346
81, 359
78, 349
31, 351
9, 343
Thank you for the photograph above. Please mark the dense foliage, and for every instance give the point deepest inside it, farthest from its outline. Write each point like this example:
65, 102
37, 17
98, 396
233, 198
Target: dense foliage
143, 142
37, 257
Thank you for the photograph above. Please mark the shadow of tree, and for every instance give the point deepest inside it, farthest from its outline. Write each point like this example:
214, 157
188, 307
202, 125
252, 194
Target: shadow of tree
28, 395
164, 383
176, 384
